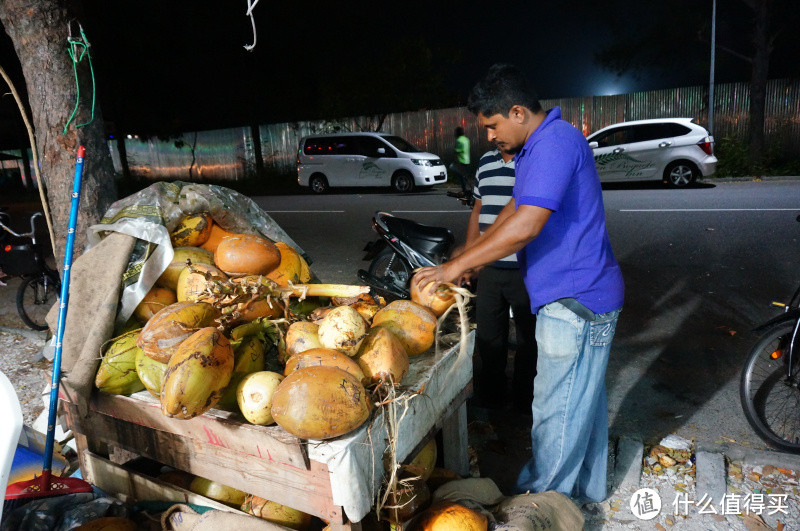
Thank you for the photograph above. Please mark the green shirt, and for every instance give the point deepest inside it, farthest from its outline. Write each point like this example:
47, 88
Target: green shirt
462, 149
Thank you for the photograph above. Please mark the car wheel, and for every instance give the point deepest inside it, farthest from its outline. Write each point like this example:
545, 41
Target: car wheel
680, 173
403, 182
318, 183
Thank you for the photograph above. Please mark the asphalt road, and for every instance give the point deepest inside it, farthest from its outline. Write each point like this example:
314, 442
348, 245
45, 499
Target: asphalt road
701, 266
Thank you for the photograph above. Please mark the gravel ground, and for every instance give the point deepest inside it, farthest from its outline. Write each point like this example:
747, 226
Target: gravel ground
20, 348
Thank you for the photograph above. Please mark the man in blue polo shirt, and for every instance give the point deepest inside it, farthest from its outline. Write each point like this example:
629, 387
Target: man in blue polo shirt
556, 224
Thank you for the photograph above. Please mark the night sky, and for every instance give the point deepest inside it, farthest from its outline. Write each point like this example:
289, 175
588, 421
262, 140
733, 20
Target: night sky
181, 65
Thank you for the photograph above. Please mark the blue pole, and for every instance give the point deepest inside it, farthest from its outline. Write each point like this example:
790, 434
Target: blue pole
62, 315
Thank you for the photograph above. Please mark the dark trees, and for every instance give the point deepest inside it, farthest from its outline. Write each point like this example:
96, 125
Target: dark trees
39, 30
678, 38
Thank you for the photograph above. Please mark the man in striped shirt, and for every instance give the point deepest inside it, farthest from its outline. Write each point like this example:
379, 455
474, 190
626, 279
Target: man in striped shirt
500, 287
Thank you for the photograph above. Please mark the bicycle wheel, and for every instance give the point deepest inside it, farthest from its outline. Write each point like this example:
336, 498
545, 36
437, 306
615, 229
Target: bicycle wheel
771, 400
35, 297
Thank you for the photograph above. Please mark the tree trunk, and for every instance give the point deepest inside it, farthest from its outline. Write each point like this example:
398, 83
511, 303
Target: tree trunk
758, 81
39, 30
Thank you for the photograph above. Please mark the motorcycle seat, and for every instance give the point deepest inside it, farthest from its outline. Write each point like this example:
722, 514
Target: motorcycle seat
411, 230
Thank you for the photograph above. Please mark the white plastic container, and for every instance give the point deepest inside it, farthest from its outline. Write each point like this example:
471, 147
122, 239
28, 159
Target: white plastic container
11, 420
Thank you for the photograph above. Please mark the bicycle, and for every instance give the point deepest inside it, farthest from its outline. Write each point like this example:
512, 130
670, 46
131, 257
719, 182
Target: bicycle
770, 383
41, 285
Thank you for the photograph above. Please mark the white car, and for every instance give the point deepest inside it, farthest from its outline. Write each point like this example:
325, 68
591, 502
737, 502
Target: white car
366, 159
675, 150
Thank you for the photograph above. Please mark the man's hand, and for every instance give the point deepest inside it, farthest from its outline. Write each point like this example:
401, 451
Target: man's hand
467, 277
437, 275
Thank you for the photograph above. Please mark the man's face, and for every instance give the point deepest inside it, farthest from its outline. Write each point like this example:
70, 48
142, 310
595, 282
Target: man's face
505, 132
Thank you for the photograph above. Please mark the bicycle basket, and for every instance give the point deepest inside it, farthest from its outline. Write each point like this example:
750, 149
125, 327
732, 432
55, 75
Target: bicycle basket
18, 260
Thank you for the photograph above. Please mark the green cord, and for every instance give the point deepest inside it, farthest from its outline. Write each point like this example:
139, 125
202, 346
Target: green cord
84, 52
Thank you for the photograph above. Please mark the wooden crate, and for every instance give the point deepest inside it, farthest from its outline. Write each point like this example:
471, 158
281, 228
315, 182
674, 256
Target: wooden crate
266, 460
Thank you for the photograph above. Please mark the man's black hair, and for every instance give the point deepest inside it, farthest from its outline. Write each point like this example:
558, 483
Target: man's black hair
503, 87
459, 131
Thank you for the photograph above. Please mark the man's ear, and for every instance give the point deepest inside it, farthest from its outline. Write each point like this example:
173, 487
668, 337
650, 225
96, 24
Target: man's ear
517, 114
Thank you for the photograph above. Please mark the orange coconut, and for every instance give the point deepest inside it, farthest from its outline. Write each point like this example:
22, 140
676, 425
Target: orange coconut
246, 254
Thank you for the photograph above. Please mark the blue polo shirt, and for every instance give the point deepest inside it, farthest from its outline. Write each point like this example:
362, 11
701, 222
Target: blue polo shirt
571, 257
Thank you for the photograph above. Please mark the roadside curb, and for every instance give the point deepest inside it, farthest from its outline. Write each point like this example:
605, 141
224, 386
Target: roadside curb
755, 457
710, 475
712, 180
628, 463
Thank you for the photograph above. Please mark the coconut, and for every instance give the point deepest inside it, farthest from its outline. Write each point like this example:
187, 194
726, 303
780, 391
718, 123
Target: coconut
217, 491
323, 356
195, 255
154, 300
342, 329
449, 516
216, 235
289, 269
425, 461
196, 279
192, 231
414, 325
436, 297
167, 329
270, 308
246, 254
151, 372
254, 396
382, 356
117, 372
320, 403
276, 513
410, 497
197, 372
301, 336
248, 357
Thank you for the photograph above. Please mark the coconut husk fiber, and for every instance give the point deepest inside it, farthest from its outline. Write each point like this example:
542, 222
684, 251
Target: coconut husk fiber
93, 299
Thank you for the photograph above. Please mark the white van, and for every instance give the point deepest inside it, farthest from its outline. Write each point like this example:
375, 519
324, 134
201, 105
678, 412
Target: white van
365, 159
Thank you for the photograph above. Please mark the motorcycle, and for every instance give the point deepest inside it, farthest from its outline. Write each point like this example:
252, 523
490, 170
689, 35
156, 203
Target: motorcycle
404, 245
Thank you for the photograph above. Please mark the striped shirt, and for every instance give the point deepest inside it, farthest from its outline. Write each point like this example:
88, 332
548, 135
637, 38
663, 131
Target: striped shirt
495, 185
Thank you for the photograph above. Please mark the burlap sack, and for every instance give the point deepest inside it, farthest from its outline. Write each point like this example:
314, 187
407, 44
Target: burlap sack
482, 491
183, 518
543, 511
93, 298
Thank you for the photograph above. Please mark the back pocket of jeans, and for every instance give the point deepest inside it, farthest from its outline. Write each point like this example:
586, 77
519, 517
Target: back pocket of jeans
602, 332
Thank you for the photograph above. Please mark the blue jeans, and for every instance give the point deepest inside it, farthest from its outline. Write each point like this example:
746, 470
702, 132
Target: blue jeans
570, 417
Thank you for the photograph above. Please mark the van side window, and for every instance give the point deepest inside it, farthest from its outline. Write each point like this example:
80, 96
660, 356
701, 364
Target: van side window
368, 146
331, 145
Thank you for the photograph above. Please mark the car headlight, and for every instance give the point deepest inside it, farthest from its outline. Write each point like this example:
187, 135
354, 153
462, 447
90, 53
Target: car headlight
422, 162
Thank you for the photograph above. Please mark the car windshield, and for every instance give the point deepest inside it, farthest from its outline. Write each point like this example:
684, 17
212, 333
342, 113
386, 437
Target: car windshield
402, 145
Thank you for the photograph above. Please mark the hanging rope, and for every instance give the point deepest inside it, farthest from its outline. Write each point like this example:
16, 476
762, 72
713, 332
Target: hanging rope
74, 46
251, 4
32, 140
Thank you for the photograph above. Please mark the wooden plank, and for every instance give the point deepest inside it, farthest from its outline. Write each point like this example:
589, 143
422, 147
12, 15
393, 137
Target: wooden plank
133, 486
306, 490
454, 440
456, 403
217, 428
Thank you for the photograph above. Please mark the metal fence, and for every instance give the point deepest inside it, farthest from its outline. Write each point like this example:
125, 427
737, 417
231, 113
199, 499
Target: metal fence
228, 154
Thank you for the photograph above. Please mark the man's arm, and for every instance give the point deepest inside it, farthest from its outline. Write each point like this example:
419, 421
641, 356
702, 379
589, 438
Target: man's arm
503, 238
473, 228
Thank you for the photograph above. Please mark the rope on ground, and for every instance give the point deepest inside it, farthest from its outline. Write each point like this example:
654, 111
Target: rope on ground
32, 140
251, 4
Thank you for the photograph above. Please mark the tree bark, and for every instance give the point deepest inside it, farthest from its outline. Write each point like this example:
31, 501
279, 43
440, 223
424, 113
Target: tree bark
39, 30
762, 49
